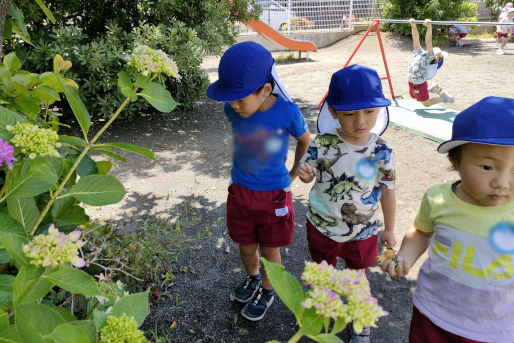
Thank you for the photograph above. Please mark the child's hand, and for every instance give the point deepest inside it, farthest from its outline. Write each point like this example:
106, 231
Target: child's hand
305, 171
427, 23
412, 21
396, 266
388, 239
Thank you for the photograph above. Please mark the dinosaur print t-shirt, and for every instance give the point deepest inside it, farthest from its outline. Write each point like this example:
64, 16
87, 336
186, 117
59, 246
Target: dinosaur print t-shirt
343, 203
466, 286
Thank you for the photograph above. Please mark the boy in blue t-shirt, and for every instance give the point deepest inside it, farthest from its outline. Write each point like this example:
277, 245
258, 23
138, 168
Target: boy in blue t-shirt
260, 213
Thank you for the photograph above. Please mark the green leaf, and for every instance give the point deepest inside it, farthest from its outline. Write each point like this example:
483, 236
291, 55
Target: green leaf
65, 314
4, 256
69, 333
74, 141
97, 190
12, 235
8, 29
61, 206
6, 284
4, 319
110, 153
88, 326
29, 286
32, 178
8, 117
129, 147
287, 287
52, 79
17, 15
33, 321
87, 166
328, 338
73, 280
133, 305
104, 167
10, 335
12, 62
10, 225
24, 210
142, 81
28, 105
339, 325
311, 322
77, 106
99, 318
46, 94
126, 86
45, 9
159, 97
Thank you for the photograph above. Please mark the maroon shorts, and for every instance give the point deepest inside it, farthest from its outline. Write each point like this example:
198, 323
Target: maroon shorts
500, 35
263, 217
356, 254
419, 92
462, 35
422, 330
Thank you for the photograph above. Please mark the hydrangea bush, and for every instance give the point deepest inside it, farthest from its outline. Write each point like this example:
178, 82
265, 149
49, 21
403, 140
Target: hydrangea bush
45, 178
335, 297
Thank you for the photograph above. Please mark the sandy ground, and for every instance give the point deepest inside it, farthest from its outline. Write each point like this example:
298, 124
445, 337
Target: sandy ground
193, 153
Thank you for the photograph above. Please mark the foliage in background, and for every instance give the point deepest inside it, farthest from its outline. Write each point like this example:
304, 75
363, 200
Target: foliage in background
96, 35
451, 10
44, 180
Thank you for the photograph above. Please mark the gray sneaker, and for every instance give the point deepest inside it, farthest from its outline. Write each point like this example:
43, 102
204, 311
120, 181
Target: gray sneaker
435, 88
362, 337
247, 289
447, 98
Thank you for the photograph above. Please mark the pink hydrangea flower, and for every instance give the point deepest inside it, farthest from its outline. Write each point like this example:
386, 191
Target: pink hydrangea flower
6, 154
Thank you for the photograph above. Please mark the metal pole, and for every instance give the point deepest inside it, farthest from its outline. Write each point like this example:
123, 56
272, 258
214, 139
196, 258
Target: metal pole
435, 22
350, 19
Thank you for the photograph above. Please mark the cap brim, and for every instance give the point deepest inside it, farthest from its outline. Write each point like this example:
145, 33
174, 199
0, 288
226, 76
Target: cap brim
431, 71
378, 102
217, 92
448, 145
327, 123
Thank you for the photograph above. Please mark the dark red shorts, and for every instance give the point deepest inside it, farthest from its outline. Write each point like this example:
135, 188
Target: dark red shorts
356, 254
419, 92
422, 330
500, 35
263, 217
462, 35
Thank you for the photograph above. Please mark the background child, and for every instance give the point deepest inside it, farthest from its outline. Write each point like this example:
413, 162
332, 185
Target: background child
456, 33
423, 66
465, 290
260, 211
354, 170
502, 31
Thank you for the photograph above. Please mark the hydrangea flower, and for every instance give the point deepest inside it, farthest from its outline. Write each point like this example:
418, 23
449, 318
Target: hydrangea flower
341, 294
55, 248
33, 140
149, 61
121, 330
6, 154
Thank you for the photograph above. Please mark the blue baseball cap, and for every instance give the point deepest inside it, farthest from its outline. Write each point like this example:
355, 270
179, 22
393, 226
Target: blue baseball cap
243, 68
353, 88
489, 121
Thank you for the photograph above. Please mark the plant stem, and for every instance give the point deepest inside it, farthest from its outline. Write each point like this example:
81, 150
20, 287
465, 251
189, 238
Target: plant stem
295, 338
74, 167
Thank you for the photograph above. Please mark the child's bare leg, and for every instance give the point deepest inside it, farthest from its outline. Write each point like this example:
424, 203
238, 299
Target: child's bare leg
272, 255
432, 101
250, 257
503, 42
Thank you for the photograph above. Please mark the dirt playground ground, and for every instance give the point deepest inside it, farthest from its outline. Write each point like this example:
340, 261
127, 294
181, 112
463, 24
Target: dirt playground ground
193, 152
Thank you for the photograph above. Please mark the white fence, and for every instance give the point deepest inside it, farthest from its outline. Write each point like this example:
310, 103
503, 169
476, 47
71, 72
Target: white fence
326, 15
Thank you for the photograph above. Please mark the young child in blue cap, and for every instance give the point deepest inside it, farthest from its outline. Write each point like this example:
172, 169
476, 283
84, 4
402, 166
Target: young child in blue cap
260, 213
423, 66
465, 289
354, 170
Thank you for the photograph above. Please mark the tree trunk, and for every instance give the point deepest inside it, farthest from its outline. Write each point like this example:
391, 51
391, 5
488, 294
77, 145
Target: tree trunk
4, 10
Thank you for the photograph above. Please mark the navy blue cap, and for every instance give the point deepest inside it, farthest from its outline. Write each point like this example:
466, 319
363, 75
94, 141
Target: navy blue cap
489, 121
244, 68
356, 87
440, 63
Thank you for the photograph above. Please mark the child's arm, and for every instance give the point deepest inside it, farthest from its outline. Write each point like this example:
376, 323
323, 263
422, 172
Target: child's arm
428, 36
414, 244
415, 35
388, 204
302, 144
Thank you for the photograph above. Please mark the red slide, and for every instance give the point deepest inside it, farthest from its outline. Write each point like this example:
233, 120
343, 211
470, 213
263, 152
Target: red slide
272, 35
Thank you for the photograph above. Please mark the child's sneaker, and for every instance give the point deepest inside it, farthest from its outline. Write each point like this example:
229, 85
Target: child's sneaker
447, 98
247, 289
362, 337
499, 52
256, 309
435, 88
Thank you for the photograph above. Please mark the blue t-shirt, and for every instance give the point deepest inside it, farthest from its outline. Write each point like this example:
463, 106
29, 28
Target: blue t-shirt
261, 143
